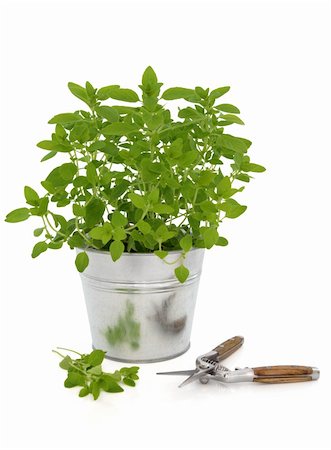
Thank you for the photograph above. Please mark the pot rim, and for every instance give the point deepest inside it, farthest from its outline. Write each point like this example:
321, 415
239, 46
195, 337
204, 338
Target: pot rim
94, 250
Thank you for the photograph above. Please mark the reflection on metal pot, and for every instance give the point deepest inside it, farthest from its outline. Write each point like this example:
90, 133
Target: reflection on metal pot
162, 316
126, 330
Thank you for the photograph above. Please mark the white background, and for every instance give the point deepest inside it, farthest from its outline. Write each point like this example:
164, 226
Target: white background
271, 284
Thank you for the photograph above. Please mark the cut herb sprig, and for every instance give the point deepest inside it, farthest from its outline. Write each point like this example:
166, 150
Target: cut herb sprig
86, 372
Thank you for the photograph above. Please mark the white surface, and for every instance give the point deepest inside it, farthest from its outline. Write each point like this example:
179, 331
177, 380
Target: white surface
271, 284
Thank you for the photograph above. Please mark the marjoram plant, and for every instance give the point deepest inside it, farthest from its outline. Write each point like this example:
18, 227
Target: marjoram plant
137, 178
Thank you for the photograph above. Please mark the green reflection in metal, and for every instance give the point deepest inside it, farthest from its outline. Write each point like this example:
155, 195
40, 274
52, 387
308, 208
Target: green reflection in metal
126, 330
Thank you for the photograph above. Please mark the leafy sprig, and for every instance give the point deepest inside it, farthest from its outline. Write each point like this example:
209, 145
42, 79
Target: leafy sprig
86, 372
138, 179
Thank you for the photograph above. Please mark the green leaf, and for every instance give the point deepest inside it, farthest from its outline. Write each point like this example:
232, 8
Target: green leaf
79, 92
186, 243
224, 185
119, 234
81, 261
38, 231
162, 208
216, 93
129, 381
232, 118
97, 233
48, 156
119, 129
161, 253
118, 220
91, 173
94, 212
96, 357
109, 384
144, 227
95, 389
74, 379
66, 363
78, 210
222, 241
84, 392
182, 273
108, 113
39, 248
234, 143
46, 145
137, 200
149, 78
18, 215
226, 107
210, 236
117, 93
232, 208
251, 167
177, 92
68, 171
65, 118
116, 249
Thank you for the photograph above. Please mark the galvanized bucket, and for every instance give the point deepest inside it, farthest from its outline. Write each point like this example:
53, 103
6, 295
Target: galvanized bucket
138, 311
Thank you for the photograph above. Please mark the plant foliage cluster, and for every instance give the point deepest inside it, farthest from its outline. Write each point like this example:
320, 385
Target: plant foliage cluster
138, 179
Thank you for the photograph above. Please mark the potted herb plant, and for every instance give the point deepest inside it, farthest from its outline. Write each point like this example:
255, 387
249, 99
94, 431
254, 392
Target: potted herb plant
145, 194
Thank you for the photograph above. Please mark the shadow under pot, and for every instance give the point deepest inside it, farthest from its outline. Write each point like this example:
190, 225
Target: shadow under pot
138, 311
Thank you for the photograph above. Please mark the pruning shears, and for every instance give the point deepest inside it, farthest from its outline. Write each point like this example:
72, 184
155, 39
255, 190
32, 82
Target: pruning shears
209, 367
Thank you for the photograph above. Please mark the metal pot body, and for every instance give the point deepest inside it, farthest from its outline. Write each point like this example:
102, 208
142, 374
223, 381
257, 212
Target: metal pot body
138, 311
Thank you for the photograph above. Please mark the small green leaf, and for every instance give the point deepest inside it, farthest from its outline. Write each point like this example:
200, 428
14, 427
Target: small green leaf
251, 167
18, 215
46, 145
91, 173
78, 210
216, 93
137, 200
65, 118
144, 227
116, 249
117, 93
97, 233
38, 231
177, 92
108, 113
222, 241
226, 107
186, 243
48, 156
84, 392
149, 78
210, 236
182, 273
79, 92
224, 185
96, 357
119, 129
66, 363
232, 118
39, 248
129, 381
161, 253
162, 208
118, 220
81, 261
74, 379
232, 208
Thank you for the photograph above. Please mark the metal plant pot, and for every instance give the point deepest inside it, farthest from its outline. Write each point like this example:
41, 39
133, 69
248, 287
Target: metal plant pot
138, 310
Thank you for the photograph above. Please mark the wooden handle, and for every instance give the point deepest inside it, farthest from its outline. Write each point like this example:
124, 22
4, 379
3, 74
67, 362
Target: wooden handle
228, 347
285, 374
